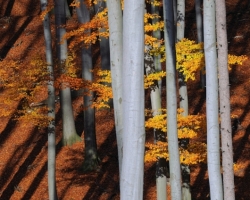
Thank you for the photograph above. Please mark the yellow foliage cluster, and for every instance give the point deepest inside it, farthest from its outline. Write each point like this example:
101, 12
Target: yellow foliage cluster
150, 79
37, 116
157, 45
188, 127
190, 58
236, 60
70, 66
101, 86
193, 154
19, 82
103, 95
155, 151
155, 2
88, 33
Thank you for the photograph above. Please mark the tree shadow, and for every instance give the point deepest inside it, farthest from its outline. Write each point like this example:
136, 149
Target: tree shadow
10, 125
39, 176
200, 187
36, 141
9, 7
14, 38
23, 168
107, 177
241, 191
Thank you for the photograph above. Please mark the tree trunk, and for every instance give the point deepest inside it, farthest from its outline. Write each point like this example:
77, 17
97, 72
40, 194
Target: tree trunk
104, 42
115, 40
131, 180
213, 137
161, 165
173, 148
199, 25
69, 131
51, 107
91, 159
225, 116
157, 34
104, 47
185, 170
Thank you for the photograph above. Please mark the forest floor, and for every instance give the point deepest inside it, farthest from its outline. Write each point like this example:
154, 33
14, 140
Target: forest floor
23, 148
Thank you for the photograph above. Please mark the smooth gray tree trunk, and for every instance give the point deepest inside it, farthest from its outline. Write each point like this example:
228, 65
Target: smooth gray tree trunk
131, 180
199, 27
185, 170
91, 159
69, 131
224, 94
104, 42
172, 137
161, 165
157, 34
115, 40
213, 136
51, 106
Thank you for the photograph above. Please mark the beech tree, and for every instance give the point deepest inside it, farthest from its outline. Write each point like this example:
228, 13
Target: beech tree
180, 27
69, 131
213, 137
161, 164
173, 148
104, 42
131, 180
199, 27
51, 106
155, 9
224, 95
115, 40
91, 159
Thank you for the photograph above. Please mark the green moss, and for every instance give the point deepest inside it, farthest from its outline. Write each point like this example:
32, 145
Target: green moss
71, 140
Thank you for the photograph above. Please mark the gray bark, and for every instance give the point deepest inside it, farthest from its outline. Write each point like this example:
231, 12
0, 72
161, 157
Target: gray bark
173, 148
69, 132
186, 190
91, 159
157, 34
104, 42
51, 107
224, 94
199, 26
161, 165
115, 39
131, 180
213, 136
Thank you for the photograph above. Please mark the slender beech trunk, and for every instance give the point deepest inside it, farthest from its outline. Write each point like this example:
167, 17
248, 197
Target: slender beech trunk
173, 148
91, 159
157, 34
69, 131
186, 191
131, 180
115, 40
226, 128
51, 107
104, 42
213, 136
104, 46
161, 165
199, 27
